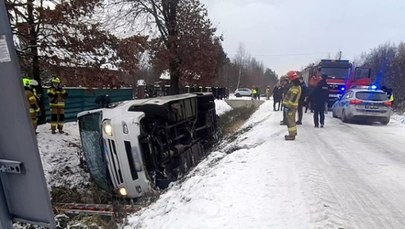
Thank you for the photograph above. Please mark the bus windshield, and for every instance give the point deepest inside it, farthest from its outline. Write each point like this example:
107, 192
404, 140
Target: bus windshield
336, 73
90, 133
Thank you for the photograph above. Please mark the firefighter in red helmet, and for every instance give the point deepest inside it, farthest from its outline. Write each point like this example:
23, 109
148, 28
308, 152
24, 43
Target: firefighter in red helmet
290, 104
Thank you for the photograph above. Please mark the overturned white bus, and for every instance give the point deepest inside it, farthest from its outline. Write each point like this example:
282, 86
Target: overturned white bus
139, 145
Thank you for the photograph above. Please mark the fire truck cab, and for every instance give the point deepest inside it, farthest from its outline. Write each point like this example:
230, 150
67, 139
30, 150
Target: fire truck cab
338, 71
360, 77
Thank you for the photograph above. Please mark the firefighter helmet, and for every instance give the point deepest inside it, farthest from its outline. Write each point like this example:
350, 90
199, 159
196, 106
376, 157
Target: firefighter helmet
55, 80
26, 82
292, 75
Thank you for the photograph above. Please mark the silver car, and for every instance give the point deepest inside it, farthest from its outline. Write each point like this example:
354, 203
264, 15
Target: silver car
243, 92
363, 104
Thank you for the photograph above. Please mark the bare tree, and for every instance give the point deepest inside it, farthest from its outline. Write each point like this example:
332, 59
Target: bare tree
186, 44
54, 36
379, 60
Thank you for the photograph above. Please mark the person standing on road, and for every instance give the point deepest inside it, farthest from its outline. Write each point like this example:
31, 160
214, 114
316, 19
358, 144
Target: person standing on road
313, 82
277, 95
302, 100
291, 104
319, 98
285, 85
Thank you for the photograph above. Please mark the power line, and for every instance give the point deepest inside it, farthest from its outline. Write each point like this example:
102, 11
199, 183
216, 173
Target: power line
287, 54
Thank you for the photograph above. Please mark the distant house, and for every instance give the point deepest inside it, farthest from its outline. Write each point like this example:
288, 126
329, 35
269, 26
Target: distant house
92, 77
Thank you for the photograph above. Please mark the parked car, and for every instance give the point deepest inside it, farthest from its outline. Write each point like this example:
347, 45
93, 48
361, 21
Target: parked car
363, 104
243, 92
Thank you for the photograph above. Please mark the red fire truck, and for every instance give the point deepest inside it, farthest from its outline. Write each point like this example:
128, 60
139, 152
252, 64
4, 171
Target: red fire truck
359, 77
340, 76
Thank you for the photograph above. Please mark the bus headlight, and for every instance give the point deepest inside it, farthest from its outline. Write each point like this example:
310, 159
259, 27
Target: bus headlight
123, 191
107, 127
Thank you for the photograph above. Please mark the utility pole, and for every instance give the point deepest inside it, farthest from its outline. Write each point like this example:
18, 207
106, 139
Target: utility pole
240, 72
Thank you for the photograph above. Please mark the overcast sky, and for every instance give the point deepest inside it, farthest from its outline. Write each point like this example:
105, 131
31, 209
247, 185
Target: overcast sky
289, 34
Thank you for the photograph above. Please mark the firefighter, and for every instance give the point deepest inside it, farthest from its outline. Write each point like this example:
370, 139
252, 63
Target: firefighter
290, 104
302, 100
33, 106
57, 97
319, 99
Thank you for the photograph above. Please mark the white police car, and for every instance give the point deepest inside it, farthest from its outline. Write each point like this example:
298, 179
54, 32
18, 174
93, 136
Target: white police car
364, 104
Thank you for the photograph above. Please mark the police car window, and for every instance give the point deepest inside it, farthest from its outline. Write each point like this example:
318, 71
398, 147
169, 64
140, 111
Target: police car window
374, 96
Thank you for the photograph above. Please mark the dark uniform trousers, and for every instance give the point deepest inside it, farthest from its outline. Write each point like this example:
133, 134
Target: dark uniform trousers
319, 110
300, 108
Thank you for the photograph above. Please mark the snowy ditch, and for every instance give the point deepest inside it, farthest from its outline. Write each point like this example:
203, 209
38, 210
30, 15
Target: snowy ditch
69, 181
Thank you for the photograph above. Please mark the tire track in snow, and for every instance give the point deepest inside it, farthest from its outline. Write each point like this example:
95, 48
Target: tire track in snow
362, 205
324, 207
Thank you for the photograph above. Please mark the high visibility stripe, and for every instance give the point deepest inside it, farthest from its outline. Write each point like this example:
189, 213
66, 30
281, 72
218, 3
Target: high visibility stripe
292, 97
56, 105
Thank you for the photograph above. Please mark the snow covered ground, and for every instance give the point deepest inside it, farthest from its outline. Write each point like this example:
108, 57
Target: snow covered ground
341, 176
59, 155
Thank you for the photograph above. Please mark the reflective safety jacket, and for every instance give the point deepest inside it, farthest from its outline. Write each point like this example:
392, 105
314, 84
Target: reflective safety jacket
57, 97
292, 97
391, 97
32, 102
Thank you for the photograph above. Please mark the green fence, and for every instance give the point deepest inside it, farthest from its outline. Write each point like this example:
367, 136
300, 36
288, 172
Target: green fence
81, 99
